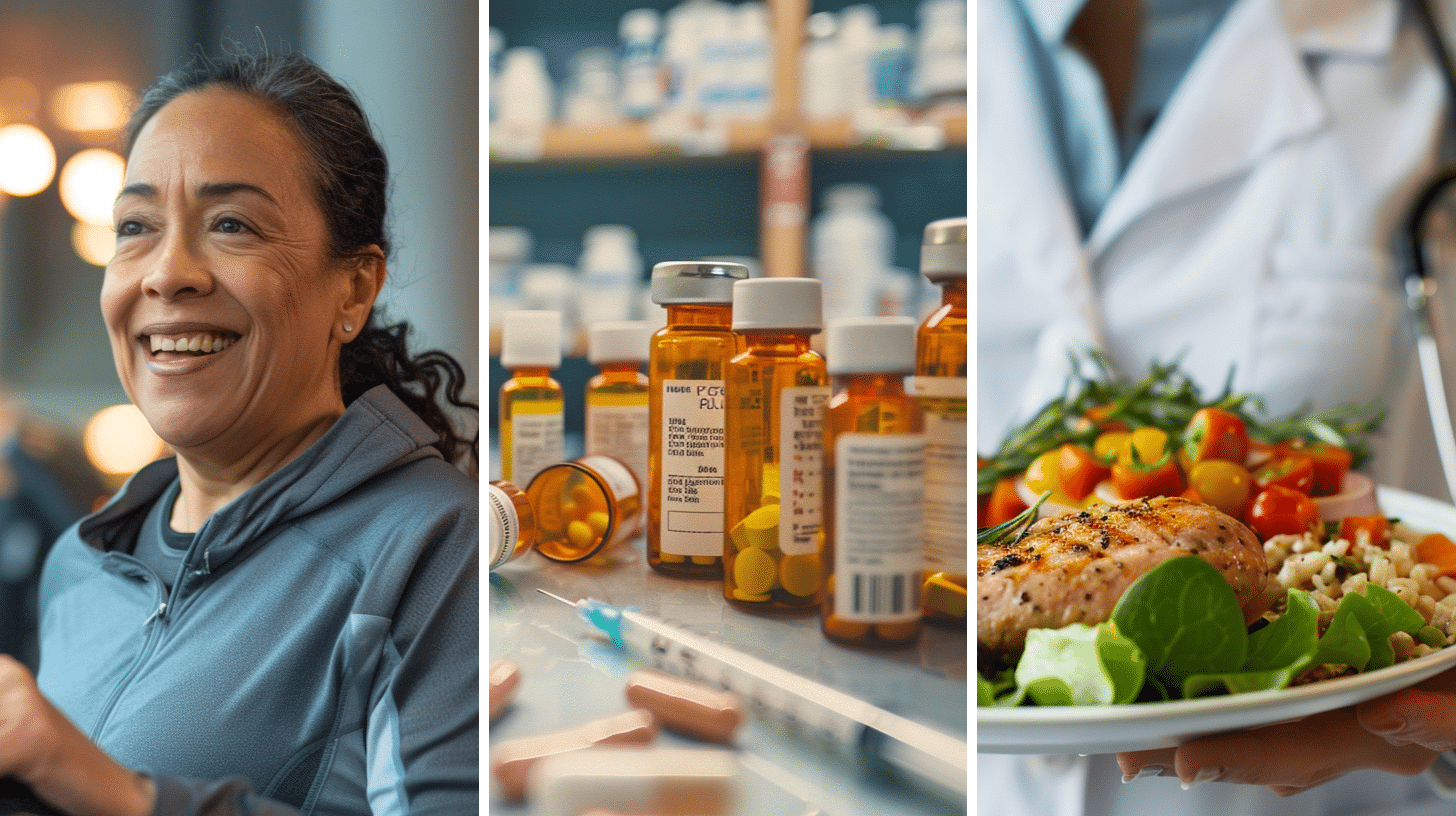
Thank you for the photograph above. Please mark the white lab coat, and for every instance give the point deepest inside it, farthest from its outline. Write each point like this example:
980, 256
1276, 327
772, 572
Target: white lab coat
1254, 229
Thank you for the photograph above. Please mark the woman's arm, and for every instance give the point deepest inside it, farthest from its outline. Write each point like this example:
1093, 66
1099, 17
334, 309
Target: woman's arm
43, 749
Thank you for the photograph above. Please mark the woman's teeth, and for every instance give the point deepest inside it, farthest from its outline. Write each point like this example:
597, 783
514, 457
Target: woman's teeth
195, 343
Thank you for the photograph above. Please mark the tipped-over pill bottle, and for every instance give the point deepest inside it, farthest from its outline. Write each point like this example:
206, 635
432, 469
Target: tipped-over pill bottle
685, 453
874, 453
584, 506
512, 522
940, 385
777, 390
532, 407
616, 397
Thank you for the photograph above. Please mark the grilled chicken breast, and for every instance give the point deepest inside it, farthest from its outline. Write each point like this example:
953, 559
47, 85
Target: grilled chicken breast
1073, 568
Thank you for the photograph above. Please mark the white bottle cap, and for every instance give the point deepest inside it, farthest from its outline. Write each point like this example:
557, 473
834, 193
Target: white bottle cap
618, 234
706, 282
639, 24
617, 341
531, 338
870, 345
778, 303
505, 526
943, 251
851, 195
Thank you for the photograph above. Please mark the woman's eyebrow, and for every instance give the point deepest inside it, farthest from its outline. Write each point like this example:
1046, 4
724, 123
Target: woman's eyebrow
220, 189
217, 189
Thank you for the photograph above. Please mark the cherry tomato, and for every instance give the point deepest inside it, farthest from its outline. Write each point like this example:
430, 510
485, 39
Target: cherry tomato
1003, 504
1222, 484
1214, 433
1287, 469
1080, 470
1137, 480
1277, 510
1109, 443
1145, 445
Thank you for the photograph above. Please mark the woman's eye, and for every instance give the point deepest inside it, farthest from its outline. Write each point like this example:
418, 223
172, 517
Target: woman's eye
126, 228
231, 225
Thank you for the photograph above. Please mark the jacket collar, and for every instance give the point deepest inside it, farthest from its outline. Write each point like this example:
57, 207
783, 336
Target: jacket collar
1260, 45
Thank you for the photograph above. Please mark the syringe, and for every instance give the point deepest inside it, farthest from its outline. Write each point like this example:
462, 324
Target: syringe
833, 720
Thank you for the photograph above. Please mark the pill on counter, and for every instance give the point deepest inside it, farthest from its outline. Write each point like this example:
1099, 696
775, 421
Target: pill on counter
659, 781
511, 761
505, 675
686, 706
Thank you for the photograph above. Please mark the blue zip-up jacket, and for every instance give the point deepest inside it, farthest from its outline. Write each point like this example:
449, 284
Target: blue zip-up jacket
319, 646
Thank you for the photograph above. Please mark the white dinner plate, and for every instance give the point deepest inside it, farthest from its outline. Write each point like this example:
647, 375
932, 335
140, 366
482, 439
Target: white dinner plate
1140, 726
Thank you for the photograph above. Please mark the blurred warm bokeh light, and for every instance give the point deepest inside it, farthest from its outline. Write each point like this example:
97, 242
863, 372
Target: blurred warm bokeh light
27, 160
119, 441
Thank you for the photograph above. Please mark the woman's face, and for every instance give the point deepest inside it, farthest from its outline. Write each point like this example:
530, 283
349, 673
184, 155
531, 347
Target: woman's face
223, 305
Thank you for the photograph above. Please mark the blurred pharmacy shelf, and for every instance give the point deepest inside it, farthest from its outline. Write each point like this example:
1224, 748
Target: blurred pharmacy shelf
750, 188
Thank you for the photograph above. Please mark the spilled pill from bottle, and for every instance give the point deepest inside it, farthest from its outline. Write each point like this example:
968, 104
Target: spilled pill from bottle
504, 676
629, 779
511, 761
686, 706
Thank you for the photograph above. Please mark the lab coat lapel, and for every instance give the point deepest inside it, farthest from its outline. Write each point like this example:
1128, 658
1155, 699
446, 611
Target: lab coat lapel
1250, 64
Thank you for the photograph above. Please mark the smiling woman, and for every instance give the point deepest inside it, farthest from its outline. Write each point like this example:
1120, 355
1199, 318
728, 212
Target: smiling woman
284, 614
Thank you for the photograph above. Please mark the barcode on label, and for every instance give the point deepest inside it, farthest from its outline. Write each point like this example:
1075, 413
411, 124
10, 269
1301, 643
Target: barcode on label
888, 595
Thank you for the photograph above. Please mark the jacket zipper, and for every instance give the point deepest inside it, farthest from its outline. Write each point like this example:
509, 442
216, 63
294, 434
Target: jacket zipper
148, 646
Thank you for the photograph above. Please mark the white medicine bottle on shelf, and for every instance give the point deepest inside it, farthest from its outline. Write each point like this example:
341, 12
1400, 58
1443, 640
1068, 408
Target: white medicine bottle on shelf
858, 37
751, 88
640, 63
821, 69
851, 248
525, 104
940, 53
611, 269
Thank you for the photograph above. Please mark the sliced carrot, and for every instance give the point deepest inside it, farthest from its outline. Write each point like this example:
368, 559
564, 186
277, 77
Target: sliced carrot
1439, 550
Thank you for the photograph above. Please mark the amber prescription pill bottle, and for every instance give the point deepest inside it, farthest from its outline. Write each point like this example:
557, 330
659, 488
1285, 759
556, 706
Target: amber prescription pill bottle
512, 522
616, 397
584, 506
532, 407
777, 390
940, 385
874, 453
685, 454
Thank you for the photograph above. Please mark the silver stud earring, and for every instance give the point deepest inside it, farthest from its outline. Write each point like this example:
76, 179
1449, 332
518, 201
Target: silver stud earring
348, 329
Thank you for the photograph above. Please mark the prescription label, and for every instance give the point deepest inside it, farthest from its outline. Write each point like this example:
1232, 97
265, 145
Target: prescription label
692, 467
945, 473
537, 438
621, 432
879, 548
801, 467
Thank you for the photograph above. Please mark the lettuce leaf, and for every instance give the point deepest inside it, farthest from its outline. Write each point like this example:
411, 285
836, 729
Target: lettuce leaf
1080, 665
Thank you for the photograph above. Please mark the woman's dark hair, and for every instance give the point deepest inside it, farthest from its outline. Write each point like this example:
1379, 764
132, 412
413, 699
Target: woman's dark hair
351, 179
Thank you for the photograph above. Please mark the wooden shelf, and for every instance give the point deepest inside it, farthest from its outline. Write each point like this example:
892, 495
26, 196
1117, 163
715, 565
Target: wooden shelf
632, 141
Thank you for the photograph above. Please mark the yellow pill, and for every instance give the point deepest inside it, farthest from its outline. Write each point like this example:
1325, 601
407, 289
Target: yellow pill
749, 596
945, 596
799, 574
738, 534
588, 497
671, 558
598, 522
754, 571
770, 478
579, 533
761, 527
705, 559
